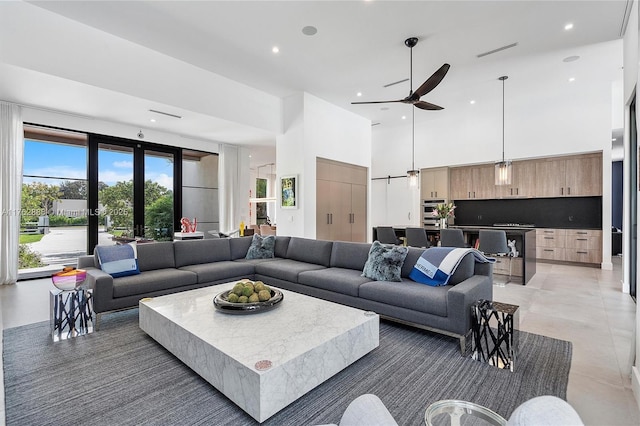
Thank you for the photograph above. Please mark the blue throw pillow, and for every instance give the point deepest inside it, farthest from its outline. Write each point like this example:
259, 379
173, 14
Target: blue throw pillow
261, 247
385, 262
118, 261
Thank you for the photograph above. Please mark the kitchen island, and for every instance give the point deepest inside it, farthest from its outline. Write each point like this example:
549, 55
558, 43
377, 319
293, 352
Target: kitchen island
523, 266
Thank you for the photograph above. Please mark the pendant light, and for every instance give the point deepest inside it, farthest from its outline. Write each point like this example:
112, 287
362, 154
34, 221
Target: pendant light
413, 174
503, 168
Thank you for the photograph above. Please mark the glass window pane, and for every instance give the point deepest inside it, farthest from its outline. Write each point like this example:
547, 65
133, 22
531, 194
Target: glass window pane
158, 195
200, 189
53, 219
115, 194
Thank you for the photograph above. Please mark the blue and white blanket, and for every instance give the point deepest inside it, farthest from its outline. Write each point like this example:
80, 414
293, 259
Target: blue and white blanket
437, 264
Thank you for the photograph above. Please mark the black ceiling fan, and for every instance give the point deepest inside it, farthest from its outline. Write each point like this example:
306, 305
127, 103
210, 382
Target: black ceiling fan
427, 86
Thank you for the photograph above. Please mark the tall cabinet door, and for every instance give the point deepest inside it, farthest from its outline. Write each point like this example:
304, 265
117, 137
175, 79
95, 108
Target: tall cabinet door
323, 209
359, 213
341, 211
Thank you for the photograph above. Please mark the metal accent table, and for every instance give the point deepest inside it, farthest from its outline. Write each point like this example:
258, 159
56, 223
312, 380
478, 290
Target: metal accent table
495, 333
71, 313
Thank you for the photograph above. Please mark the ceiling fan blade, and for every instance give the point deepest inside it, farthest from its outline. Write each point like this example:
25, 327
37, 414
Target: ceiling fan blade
427, 106
431, 82
376, 102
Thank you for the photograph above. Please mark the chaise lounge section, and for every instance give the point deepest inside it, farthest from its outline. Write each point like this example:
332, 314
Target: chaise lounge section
330, 270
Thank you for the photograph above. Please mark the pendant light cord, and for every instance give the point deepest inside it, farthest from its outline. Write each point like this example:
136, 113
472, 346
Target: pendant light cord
503, 119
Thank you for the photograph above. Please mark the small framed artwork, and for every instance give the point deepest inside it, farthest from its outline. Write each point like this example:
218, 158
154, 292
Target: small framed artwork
289, 192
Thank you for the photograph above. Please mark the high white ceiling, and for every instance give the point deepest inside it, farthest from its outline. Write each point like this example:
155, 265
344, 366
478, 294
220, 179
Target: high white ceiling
359, 47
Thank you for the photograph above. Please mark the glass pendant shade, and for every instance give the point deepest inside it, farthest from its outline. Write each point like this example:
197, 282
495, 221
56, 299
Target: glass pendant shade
503, 172
413, 176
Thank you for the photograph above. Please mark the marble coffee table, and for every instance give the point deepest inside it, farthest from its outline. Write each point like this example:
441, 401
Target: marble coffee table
265, 361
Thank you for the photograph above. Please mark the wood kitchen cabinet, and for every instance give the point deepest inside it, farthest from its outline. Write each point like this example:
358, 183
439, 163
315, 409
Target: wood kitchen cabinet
523, 181
341, 201
574, 176
571, 245
434, 184
472, 182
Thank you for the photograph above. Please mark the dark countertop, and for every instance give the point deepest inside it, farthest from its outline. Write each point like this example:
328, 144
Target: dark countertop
500, 228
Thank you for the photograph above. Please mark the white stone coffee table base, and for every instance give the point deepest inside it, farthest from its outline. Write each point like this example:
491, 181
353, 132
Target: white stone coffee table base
306, 340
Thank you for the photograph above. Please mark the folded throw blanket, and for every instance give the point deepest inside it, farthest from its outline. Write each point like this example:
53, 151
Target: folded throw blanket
437, 264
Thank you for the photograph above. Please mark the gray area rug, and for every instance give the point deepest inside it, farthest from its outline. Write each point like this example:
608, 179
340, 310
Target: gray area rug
120, 376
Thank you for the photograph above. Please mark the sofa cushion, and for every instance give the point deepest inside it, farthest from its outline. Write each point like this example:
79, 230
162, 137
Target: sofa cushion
384, 262
349, 255
158, 255
262, 247
285, 269
339, 280
119, 260
412, 257
151, 281
310, 251
282, 245
195, 252
210, 272
407, 294
239, 247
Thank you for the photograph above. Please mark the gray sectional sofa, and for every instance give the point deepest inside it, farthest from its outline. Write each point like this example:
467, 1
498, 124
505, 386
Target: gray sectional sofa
325, 269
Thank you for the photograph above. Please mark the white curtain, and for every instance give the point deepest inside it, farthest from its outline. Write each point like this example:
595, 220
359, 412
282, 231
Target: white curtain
228, 187
11, 153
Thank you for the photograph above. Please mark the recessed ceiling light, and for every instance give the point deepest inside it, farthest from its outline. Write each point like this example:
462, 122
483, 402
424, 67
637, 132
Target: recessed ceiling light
571, 58
404, 117
568, 27
572, 79
472, 102
613, 140
275, 49
153, 120
309, 30
359, 94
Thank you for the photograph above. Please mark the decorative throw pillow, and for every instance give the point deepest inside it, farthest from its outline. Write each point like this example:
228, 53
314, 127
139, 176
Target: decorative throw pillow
261, 247
118, 261
385, 262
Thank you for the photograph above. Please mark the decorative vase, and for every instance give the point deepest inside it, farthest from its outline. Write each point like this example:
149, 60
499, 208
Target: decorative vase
443, 223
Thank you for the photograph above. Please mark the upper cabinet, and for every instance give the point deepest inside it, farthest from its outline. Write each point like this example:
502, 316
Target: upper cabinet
575, 176
472, 182
523, 181
434, 184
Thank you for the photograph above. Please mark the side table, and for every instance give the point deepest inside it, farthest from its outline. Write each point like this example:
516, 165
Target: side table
495, 333
71, 313
461, 413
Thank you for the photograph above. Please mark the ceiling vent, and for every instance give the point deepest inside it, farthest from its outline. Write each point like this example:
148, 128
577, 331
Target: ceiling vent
165, 113
375, 124
397, 82
499, 49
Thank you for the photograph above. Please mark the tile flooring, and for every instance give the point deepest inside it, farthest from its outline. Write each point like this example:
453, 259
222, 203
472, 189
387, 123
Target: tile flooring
579, 304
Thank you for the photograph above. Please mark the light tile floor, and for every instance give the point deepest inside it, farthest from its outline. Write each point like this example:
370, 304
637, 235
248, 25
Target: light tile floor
579, 304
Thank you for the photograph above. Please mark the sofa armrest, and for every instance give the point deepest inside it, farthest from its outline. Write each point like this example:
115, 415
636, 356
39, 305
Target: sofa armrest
461, 296
86, 262
102, 285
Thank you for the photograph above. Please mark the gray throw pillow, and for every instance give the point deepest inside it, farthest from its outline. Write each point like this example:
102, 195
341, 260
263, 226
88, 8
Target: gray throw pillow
261, 247
385, 262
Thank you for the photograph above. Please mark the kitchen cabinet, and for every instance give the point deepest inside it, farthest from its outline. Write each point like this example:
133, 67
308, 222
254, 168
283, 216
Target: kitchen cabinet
341, 201
472, 182
570, 245
523, 181
574, 176
434, 184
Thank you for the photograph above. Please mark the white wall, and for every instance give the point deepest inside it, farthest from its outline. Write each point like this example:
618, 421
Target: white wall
315, 128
